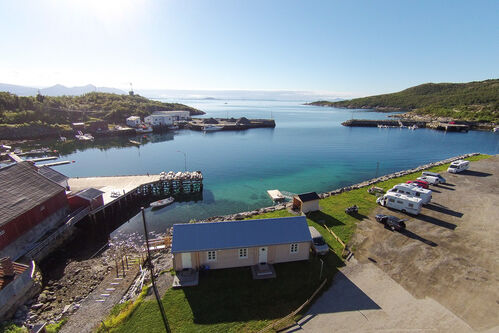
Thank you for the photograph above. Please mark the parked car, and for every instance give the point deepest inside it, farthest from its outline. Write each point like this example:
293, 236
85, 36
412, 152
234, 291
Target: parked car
420, 183
352, 209
391, 222
319, 246
434, 174
430, 180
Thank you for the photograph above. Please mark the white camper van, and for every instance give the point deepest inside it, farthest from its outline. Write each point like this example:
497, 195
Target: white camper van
413, 191
433, 174
402, 202
458, 166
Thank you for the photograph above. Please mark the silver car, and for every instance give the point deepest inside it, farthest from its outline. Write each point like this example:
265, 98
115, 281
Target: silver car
319, 246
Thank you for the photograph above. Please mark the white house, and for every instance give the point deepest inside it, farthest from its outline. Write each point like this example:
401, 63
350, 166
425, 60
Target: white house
159, 120
133, 121
176, 115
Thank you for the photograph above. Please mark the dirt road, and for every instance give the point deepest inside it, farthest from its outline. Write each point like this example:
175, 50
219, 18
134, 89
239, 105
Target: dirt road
450, 252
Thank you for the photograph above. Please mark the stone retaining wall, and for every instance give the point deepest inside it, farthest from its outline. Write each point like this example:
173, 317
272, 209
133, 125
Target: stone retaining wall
243, 215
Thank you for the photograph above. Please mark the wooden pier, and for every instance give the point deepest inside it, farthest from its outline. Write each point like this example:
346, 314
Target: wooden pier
124, 195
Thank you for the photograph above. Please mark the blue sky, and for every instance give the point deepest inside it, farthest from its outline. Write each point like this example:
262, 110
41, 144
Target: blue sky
348, 48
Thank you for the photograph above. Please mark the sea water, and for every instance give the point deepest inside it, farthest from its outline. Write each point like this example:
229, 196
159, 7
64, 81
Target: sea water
308, 150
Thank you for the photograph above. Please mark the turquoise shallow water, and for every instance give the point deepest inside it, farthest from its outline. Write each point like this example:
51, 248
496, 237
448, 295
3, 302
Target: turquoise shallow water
309, 150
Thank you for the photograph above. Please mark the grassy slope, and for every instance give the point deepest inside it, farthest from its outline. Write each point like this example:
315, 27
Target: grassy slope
230, 301
469, 101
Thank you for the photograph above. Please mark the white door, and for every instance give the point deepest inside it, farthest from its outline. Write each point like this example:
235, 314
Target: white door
262, 255
186, 260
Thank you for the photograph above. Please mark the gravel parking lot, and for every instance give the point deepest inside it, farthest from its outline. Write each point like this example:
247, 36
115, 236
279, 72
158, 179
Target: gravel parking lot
450, 252
440, 275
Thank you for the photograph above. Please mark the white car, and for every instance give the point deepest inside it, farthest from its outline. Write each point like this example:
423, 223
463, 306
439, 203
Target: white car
430, 180
319, 246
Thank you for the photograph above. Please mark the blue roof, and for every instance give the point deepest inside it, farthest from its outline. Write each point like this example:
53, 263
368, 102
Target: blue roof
239, 234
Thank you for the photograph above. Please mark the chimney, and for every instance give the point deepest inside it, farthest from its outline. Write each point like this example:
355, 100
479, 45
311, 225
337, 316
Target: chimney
6, 267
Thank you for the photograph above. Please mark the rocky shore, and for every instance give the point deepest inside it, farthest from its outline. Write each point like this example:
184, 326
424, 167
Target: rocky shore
370, 182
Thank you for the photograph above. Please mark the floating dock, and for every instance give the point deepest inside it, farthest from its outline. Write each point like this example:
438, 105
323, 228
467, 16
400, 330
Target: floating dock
276, 195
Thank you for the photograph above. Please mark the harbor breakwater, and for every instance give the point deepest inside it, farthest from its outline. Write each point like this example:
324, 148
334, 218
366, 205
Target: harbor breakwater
370, 182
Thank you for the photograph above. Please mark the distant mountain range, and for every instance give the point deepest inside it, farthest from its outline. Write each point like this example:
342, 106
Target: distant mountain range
57, 90
177, 94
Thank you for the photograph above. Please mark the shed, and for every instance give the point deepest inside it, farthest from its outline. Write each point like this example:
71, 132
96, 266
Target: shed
89, 197
306, 202
240, 243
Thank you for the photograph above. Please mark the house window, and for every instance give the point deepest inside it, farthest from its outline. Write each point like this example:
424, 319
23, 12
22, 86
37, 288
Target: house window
42, 208
294, 248
212, 255
243, 253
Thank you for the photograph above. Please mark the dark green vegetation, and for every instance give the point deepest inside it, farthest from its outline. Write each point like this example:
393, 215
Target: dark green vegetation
229, 300
63, 110
472, 101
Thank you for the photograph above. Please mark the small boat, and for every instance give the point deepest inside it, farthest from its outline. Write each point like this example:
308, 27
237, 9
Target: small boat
211, 128
144, 129
413, 127
173, 127
134, 142
161, 203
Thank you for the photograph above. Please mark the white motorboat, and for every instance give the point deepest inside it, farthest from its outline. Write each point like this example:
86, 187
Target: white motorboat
144, 129
212, 128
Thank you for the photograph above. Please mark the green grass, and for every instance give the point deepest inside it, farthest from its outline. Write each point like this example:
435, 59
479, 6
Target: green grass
230, 301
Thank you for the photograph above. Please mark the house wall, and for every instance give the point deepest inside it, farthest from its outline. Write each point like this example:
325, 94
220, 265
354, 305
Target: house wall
19, 226
230, 258
310, 206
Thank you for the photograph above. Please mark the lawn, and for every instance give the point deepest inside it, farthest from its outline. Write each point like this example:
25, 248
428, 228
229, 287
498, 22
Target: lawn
230, 301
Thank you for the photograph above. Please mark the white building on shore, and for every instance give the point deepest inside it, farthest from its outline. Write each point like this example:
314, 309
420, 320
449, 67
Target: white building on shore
159, 120
178, 115
133, 121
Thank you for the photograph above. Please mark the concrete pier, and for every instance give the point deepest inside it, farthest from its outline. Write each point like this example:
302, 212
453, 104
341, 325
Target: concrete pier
108, 185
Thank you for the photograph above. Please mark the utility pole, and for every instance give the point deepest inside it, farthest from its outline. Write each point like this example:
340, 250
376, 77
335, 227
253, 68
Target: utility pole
151, 270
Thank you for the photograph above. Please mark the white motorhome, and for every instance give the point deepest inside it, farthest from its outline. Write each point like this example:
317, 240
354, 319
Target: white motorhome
458, 166
402, 202
413, 191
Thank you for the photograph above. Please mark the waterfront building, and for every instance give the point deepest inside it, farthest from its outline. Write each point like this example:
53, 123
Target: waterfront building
230, 244
306, 202
179, 115
133, 121
89, 197
159, 120
30, 205
54, 176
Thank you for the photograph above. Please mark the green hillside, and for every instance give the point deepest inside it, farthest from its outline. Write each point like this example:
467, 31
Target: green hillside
93, 106
474, 101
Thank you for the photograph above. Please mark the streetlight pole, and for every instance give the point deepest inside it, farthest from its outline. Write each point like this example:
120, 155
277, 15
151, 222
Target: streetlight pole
151, 270
185, 159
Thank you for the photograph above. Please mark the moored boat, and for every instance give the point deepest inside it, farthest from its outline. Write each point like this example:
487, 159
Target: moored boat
161, 203
211, 128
